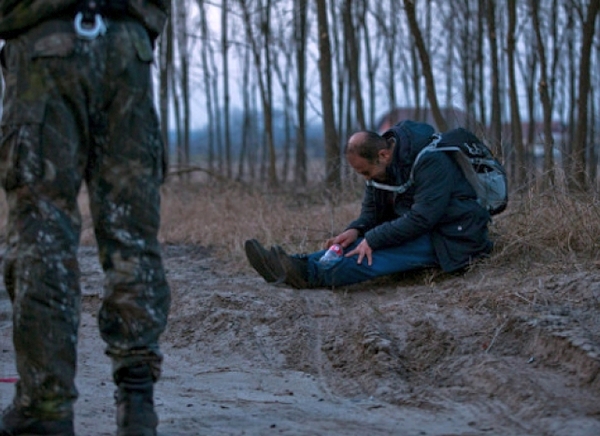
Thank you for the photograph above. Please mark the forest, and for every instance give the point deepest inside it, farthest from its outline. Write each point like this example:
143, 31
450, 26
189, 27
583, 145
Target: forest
257, 99
272, 79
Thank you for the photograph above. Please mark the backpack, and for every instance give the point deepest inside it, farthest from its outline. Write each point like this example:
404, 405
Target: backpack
485, 173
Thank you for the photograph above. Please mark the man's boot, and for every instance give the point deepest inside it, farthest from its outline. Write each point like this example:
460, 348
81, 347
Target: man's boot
265, 262
295, 268
135, 402
18, 422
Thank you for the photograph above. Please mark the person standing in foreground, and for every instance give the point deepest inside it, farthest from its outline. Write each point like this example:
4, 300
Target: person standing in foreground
79, 107
437, 221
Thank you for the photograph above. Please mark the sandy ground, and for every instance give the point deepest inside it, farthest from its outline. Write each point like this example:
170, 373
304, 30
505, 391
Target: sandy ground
491, 352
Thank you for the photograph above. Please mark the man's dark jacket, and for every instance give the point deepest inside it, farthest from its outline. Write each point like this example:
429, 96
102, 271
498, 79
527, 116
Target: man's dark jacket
19, 15
441, 202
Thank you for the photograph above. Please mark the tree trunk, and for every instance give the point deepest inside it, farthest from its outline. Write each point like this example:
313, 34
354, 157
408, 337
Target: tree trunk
184, 84
371, 61
332, 151
301, 33
496, 110
516, 126
465, 54
246, 118
440, 121
578, 180
480, 65
165, 68
206, 79
176, 104
226, 97
353, 61
543, 91
264, 79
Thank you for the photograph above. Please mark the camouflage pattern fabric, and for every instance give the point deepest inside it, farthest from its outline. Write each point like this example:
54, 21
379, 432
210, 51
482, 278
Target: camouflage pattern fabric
76, 111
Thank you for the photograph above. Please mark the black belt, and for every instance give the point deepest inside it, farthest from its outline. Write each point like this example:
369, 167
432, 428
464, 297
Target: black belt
105, 8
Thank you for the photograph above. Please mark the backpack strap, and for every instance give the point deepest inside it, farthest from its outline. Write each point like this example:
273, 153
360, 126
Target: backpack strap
432, 146
401, 189
464, 162
461, 159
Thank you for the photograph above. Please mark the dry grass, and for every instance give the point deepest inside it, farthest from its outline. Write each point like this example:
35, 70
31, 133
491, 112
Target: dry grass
222, 217
549, 228
553, 228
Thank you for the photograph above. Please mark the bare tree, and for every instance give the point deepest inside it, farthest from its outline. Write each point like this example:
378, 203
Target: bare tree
246, 117
544, 87
386, 25
176, 96
165, 64
283, 71
515, 125
528, 65
409, 7
332, 151
480, 73
353, 56
301, 36
496, 110
261, 45
226, 96
181, 38
467, 51
594, 136
205, 55
449, 23
342, 106
578, 181
374, 43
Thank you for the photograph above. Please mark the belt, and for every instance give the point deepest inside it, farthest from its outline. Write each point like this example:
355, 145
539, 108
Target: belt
113, 9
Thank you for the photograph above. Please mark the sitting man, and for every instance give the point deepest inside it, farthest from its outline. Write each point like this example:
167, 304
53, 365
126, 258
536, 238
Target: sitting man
434, 222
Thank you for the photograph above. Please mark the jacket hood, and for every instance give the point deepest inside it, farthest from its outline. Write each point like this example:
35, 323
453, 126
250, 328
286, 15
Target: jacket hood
411, 137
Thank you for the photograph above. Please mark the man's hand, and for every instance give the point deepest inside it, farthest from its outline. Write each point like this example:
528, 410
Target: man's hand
362, 250
344, 239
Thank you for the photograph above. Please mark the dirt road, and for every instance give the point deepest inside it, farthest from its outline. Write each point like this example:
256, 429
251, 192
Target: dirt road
492, 352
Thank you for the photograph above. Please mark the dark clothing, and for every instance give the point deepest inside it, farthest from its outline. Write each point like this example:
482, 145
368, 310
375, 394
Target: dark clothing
441, 202
17, 16
79, 110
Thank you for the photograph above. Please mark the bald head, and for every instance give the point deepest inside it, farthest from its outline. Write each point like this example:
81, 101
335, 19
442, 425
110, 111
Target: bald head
366, 144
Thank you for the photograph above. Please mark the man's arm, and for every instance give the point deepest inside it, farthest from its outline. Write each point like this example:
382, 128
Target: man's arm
435, 176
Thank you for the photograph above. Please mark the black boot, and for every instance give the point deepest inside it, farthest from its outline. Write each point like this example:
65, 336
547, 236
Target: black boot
265, 262
16, 422
295, 268
135, 402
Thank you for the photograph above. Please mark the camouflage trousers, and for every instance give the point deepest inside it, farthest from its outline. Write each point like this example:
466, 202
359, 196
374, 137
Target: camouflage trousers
80, 111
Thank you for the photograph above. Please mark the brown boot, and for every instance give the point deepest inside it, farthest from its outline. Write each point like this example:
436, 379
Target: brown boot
135, 402
19, 422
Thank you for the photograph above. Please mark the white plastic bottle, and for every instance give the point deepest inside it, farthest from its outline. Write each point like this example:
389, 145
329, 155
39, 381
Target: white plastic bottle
332, 255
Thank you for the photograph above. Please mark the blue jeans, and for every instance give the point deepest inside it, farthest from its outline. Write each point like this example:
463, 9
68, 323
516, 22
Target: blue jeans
415, 254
